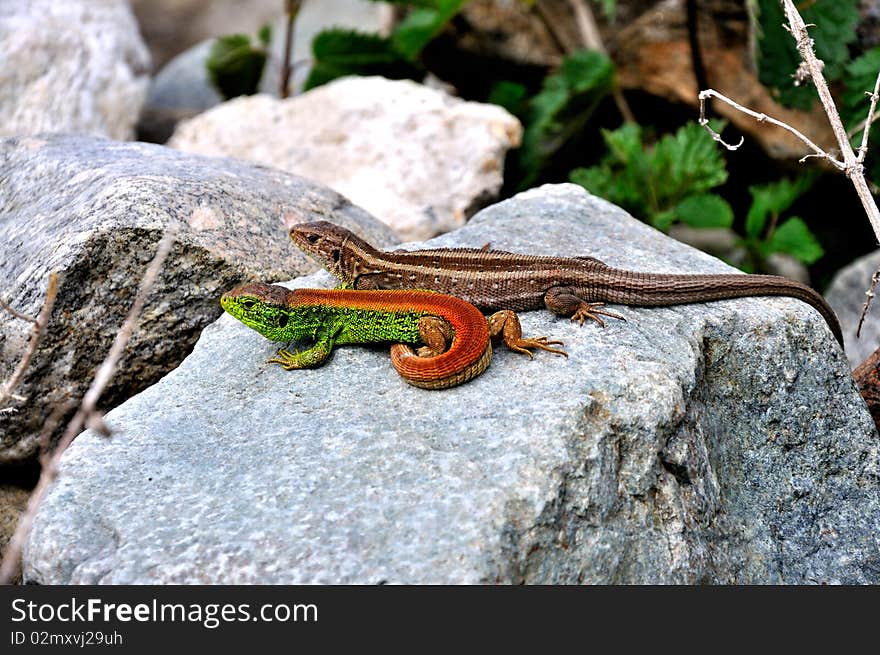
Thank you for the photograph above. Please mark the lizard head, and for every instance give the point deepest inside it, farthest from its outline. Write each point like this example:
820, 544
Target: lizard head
264, 308
339, 251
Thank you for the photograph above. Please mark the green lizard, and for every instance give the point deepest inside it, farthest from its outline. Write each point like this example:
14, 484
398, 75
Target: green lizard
337, 317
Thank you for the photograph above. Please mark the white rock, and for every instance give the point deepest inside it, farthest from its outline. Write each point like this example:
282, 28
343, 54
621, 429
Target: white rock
77, 66
420, 160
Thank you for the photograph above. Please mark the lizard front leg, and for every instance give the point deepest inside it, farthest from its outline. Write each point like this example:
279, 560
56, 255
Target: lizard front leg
314, 356
568, 301
506, 324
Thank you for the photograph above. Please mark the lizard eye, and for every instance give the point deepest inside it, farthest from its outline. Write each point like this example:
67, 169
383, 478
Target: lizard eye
282, 320
248, 304
312, 238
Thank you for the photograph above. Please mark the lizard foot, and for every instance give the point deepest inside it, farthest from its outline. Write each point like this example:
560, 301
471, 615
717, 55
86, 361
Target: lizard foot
521, 345
314, 356
505, 323
590, 310
288, 360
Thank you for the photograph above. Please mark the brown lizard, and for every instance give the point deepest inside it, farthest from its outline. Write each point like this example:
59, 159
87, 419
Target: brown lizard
568, 286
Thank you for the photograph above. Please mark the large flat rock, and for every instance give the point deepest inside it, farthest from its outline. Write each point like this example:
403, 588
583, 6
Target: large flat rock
713, 443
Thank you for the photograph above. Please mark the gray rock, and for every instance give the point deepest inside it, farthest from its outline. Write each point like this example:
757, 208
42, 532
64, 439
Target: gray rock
93, 210
183, 84
715, 443
349, 135
846, 295
75, 67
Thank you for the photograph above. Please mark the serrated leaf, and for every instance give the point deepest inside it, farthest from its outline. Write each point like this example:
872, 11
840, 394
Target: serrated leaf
654, 184
687, 162
421, 25
565, 103
707, 210
339, 52
793, 237
831, 24
235, 66
625, 143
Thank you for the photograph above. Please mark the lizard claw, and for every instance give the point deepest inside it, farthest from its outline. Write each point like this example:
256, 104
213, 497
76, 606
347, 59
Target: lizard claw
590, 310
541, 343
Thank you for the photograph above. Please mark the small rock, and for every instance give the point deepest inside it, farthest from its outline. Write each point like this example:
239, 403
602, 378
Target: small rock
846, 295
93, 210
713, 443
418, 159
74, 67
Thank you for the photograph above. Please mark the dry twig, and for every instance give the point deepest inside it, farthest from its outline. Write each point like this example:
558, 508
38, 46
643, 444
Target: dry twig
850, 162
592, 39
37, 333
87, 414
292, 9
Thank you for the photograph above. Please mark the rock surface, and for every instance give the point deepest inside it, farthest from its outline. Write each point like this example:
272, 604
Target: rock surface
712, 443
418, 159
846, 295
74, 67
93, 210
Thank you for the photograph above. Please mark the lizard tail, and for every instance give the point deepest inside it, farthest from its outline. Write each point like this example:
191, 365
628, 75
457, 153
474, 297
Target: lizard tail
657, 289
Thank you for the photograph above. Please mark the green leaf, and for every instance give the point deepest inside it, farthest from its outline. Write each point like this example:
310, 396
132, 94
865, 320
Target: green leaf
510, 95
831, 24
235, 66
707, 210
565, 103
858, 78
265, 35
793, 237
421, 25
687, 162
339, 52
772, 200
663, 220
662, 184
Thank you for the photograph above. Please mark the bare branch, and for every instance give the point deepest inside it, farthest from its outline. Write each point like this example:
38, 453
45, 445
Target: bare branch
86, 414
39, 329
9, 308
863, 148
875, 279
292, 9
852, 165
764, 118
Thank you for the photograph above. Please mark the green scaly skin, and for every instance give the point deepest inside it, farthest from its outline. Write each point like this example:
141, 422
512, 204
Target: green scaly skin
266, 312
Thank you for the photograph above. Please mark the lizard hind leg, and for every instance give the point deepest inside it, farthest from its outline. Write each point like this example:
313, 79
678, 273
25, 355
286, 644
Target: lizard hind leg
567, 301
437, 335
506, 324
